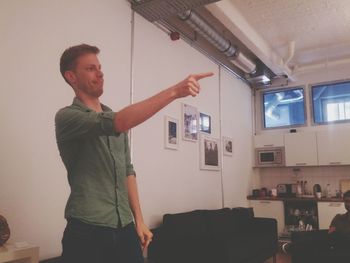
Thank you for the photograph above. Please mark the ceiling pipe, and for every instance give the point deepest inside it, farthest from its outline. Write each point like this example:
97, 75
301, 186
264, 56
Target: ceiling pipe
221, 43
291, 52
244, 63
323, 65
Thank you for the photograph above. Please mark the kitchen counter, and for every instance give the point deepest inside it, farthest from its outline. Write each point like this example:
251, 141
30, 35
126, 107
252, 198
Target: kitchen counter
269, 198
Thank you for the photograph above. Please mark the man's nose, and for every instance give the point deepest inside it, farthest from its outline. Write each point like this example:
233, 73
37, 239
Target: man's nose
100, 73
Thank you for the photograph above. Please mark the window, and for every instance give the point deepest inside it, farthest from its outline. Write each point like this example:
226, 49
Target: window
331, 102
284, 108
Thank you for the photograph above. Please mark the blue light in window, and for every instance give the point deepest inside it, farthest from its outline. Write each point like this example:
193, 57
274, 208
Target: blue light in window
284, 108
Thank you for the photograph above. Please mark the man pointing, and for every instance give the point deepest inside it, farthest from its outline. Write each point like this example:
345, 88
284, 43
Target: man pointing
104, 218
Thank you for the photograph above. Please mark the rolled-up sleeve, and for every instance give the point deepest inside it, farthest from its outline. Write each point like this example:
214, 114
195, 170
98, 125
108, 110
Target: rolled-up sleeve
74, 123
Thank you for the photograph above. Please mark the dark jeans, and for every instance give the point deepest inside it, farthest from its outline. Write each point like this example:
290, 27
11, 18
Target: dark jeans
321, 247
85, 243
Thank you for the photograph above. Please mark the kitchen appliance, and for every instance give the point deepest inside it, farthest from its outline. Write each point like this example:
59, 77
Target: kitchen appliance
273, 192
263, 192
287, 190
256, 192
317, 189
269, 157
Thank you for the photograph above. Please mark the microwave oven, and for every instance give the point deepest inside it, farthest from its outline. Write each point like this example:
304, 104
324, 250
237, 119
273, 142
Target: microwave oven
270, 157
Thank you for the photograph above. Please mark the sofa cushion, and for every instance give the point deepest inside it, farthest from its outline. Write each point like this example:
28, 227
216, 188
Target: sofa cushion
185, 225
190, 251
241, 218
219, 222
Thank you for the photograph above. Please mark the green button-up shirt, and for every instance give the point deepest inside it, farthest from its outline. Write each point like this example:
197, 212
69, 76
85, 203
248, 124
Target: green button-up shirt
97, 159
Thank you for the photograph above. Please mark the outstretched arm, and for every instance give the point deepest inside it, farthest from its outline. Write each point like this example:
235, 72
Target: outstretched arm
137, 113
142, 230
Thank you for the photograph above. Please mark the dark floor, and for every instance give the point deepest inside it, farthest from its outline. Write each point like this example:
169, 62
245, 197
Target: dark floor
281, 257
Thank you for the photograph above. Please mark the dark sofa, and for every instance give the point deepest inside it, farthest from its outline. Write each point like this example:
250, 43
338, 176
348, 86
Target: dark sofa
223, 236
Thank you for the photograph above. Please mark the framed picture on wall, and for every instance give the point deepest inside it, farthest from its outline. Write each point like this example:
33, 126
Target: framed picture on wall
209, 153
189, 122
204, 123
171, 133
227, 145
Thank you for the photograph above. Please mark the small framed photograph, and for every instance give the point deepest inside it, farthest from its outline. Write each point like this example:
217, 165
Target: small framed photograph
171, 133
204, 123
227, 145
209, 153
189, 122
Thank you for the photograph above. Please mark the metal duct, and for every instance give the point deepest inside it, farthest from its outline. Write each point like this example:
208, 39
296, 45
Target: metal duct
222, 44
244, 63
154, 10
204, 29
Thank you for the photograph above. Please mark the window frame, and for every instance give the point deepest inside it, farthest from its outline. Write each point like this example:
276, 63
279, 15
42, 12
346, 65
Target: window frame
262, 109
311, 101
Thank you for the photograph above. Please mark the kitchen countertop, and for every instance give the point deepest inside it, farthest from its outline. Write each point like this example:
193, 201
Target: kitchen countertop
270, 198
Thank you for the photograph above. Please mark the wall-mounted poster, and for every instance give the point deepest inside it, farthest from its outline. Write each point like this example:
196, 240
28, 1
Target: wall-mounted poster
171, 133
204, 123
227, 144
189, 122
209, 153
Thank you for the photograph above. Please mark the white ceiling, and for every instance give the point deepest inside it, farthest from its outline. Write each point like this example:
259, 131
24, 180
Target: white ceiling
290, 36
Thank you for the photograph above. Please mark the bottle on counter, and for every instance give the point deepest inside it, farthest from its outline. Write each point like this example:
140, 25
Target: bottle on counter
328, 191
306, 192
338, 194
317, 191
299, 191
302, 187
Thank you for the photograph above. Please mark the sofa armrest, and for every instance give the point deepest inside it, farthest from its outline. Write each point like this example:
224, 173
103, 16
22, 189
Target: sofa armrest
155, 247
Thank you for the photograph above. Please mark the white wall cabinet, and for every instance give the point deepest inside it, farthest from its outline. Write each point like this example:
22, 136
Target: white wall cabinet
301, 149
269, 209
333, 147
327, 211
268, 140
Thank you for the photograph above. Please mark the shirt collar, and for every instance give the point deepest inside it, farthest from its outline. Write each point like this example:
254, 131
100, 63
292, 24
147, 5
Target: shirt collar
77, 102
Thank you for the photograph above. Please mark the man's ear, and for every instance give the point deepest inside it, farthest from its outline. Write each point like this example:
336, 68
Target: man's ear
70, 76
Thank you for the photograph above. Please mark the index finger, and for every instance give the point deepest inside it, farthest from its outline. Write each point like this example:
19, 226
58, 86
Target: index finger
203, 75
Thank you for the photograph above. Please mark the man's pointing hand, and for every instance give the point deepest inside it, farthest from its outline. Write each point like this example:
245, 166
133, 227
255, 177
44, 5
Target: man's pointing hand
190, 85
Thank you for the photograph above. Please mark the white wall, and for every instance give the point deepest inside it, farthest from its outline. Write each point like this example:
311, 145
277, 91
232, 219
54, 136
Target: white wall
172, 178
33, 186
33, 183
170, 181
236, 115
